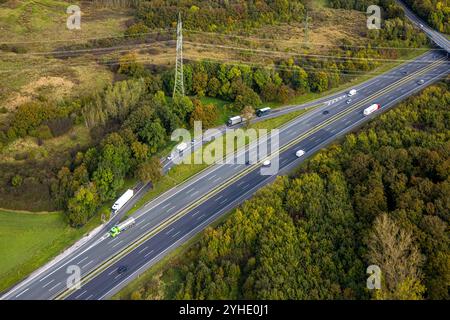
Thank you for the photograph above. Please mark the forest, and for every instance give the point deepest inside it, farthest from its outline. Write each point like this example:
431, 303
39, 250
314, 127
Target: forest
380, 197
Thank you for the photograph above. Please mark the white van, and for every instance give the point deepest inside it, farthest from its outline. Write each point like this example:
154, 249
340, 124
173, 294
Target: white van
299, 153
352, 92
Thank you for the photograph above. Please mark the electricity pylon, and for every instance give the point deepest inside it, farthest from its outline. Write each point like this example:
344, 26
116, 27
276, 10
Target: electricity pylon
178, 88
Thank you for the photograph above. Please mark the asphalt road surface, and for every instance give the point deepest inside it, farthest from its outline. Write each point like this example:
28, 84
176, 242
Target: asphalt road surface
174, 217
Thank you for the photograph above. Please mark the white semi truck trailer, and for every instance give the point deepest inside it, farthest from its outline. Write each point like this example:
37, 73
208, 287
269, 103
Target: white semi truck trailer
122, 200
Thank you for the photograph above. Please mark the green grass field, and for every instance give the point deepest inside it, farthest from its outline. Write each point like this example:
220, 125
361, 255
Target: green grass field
29, 240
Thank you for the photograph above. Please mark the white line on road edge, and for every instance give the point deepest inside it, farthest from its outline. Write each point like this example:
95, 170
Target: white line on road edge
22, 292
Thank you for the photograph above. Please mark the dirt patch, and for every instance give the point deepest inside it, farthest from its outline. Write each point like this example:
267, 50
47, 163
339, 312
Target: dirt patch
59, 87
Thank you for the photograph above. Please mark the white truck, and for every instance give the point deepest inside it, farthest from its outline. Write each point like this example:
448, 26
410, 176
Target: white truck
352, 92
235, 120
122, 200
127, 224
371, 109
181, 147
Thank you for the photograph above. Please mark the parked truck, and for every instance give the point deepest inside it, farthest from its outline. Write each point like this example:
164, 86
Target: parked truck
127, 224
371, 109
122, 200
235, 120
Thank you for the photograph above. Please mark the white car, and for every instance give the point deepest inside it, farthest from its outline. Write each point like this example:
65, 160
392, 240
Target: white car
299, 153
266, 163
170, 157
421, 25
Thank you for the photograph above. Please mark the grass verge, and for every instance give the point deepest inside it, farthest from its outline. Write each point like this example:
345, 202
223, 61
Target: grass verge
29, 240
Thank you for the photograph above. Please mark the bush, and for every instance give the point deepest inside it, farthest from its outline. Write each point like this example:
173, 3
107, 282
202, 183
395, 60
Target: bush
16, 181
43, 132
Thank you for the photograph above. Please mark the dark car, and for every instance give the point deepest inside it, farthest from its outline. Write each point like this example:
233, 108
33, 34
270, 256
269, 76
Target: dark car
122, 269
326, 112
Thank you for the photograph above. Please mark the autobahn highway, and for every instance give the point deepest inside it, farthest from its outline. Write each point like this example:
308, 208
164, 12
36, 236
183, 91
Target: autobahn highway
439, 39
174, 217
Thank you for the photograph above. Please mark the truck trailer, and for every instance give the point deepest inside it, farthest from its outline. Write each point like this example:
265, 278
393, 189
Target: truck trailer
127, 224
235, 120
181, 147
371, 109
122, 200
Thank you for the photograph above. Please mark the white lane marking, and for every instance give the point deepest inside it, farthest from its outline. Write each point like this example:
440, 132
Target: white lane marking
190, 190
168, 204
348, 122
170, 231
48, 283
246, 186
171, 208
195, 213
194, 193
116, 276
54, 286
144, 225
218, 179
79, 262
87, 264
80, 294
111, 272
240, 183
143, 250
148, 254
223, 201
218, 198
116, 244
22, 292
138, 223
212, 177
200, 216
176, 234
89, 297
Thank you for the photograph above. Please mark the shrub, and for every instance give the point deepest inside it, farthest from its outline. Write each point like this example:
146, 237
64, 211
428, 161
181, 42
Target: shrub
16, 181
